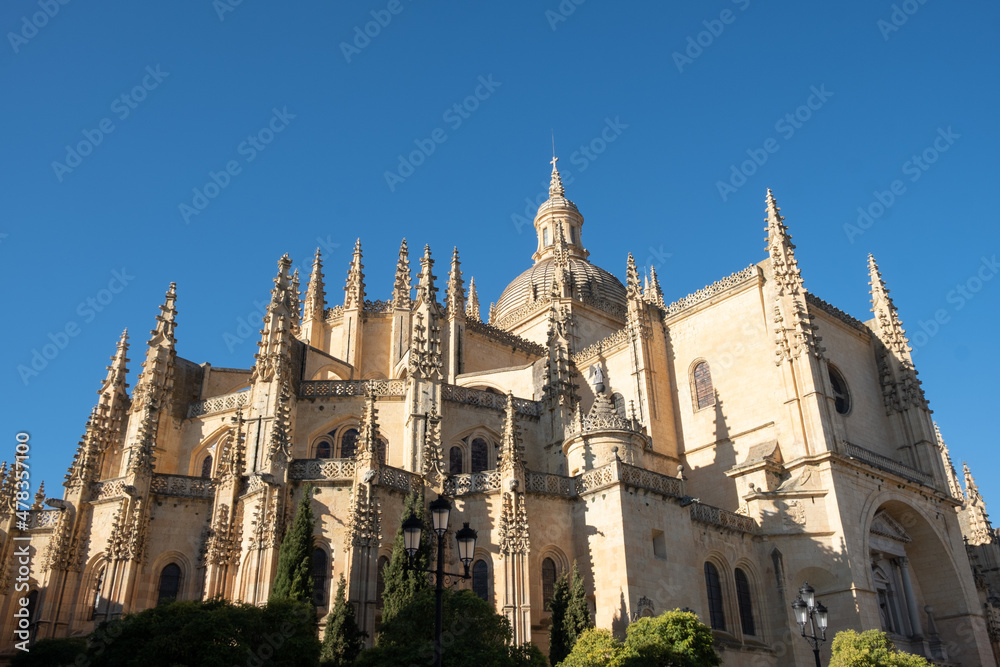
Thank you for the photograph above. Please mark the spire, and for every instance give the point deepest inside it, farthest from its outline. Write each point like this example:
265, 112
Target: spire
782, 250
653, 293
39, 498
949, 467
426, 291
511, 452
166, 321
296, 304
889, 327
355, 288
493, 313
274, 348
315, 305
455, 293
970, 484
976, 525
472, 306
633, 289
556, 188
368, 439
118, 370
401, 286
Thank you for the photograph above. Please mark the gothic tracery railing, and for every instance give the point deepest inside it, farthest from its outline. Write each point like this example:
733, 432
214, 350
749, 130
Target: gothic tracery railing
488, 399
317, 388
181, 486
210, 406
328, 469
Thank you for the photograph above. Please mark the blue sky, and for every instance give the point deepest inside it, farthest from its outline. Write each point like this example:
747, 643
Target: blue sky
122, 119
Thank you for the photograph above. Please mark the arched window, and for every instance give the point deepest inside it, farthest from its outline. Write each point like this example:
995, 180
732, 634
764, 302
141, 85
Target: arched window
455, 460
716, 616
548, 581
480, 580
98, 585
703, 391
383, 562
619, 402
480, 455
382, 447
349, 443
744, 602
841, 396
324, 449
319, 573
206, 467
170, 583
545, 236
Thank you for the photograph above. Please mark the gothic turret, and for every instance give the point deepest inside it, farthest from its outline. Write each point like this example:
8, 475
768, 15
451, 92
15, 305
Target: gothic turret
558, 214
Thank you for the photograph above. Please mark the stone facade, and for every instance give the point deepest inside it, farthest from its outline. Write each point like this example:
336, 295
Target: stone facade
712, 453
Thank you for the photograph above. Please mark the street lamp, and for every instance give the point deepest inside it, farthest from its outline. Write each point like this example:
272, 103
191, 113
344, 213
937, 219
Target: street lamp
412, 527
809, 610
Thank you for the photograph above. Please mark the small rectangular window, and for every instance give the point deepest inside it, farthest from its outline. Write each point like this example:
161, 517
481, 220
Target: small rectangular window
659, 545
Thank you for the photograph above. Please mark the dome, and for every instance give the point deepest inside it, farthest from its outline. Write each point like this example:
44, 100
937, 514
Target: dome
536, 283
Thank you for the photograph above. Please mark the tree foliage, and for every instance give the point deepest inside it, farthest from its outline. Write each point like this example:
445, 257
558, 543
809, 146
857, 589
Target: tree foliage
472, 634
51, 653
871, 648
672, 639
214, 633
570, 615
294, 576
402, 583
343, 640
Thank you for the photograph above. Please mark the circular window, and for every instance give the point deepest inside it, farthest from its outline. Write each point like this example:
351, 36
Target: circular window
842, 397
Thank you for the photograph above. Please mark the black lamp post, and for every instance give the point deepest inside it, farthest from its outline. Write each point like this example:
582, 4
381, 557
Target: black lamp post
808, 609
412, 527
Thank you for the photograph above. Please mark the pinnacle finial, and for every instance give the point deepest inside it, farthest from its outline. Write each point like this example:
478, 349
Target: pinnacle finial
472, 305
402, 282
315, 305
556, 188
118, 369
455, 296
425, 282
633, 289
781, 249
355, 288
166, 321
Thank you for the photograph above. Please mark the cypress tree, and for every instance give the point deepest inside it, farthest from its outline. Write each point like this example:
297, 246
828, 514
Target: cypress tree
577, 611
559, 644
294, 577
343, 640
401, 584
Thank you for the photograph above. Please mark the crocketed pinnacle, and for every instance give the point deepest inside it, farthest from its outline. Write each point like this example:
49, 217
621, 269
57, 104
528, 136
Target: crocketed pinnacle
472, 305
633, 288
118, 370
511, 455
426, 290
355, 287
315, 305
781, 249
166, 321
368, 439
890, 327
401, 285
455, 294
971, 490
653, 293
556, 188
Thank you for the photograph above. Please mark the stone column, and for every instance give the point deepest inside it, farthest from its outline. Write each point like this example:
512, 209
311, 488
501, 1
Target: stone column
911, 601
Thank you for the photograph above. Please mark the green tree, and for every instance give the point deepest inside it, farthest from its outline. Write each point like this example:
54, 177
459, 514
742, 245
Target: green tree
294, 577
871, 648
559, 644
401, 582
214, 633
594, 648
472, 634
51, 653
672, 639
570, 615
343, 640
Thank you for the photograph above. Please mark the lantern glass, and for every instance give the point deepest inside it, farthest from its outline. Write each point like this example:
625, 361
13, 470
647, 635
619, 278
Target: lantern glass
440, 509
411, 535
466, 544
801, 611
822, 616
808, 594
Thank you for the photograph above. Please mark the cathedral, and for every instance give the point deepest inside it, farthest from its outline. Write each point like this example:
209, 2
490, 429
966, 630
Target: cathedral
715, 453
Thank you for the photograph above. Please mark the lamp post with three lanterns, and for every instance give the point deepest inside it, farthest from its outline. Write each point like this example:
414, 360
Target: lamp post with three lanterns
810, 610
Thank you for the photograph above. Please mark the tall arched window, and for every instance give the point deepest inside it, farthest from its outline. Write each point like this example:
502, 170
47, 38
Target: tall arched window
455, 460
383, 562
714, 587
98, 585
170, 583
480, 455
206, 467
548, 581
349, 443
545, 236
841, 395
319, 574
324, 449
704, 393
480, 580
744, 602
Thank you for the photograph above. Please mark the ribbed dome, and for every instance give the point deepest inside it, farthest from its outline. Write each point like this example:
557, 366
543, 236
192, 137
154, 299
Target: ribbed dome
536, 283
